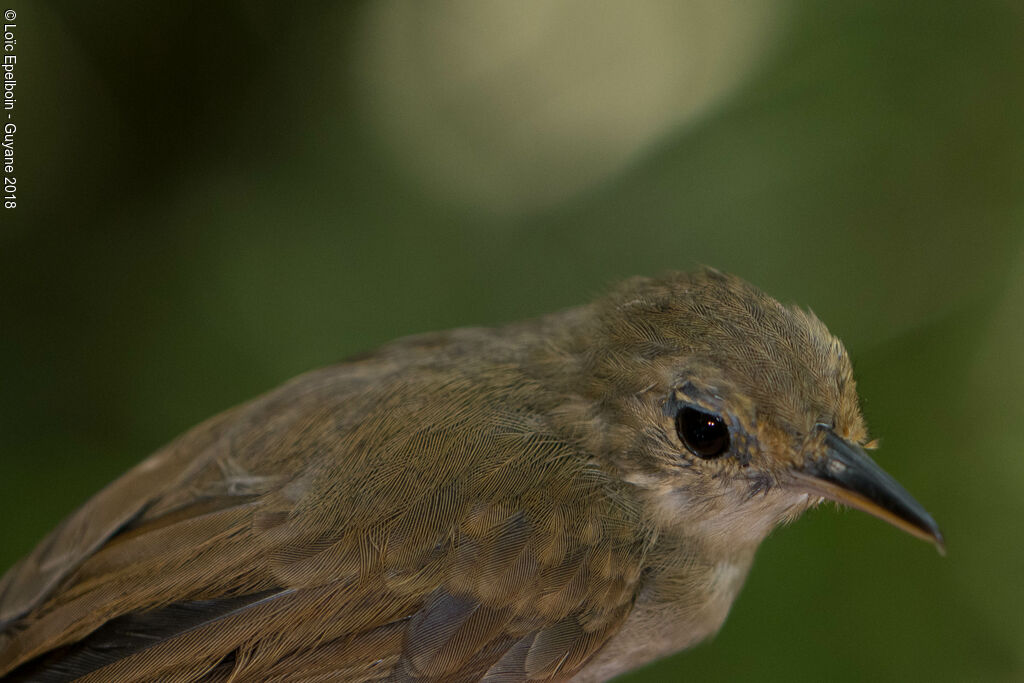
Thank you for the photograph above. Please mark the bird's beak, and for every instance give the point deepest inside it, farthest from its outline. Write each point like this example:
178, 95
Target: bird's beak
845, 474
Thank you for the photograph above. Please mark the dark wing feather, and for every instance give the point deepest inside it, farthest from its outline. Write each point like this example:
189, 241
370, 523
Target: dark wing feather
376, 520
130, 634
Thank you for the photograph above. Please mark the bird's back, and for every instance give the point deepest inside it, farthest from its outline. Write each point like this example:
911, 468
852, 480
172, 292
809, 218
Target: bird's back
412, 514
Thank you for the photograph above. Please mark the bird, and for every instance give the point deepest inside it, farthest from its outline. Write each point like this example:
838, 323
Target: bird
565, 498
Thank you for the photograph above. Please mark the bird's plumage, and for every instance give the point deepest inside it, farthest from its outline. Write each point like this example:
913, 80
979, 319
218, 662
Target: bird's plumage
483, 504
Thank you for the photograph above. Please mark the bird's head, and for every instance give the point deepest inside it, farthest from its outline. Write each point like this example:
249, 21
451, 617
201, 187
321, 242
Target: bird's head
732, 412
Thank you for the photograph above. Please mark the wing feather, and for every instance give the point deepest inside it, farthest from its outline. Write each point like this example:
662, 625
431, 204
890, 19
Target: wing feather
360, 523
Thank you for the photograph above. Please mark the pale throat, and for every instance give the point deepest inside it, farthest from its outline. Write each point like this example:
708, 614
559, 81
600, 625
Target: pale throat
725, 519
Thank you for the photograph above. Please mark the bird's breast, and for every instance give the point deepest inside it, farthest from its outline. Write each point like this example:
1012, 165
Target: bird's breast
675, 610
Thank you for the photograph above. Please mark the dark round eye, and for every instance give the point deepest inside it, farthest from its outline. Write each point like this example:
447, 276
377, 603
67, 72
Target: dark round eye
704, 434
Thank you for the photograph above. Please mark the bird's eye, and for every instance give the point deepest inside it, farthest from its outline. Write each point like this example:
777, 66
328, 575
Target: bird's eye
704, 434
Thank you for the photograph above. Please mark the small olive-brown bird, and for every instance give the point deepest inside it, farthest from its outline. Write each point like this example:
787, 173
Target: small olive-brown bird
564, 498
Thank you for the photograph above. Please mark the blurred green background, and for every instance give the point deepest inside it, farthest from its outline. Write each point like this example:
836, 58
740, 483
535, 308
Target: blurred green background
217, 196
